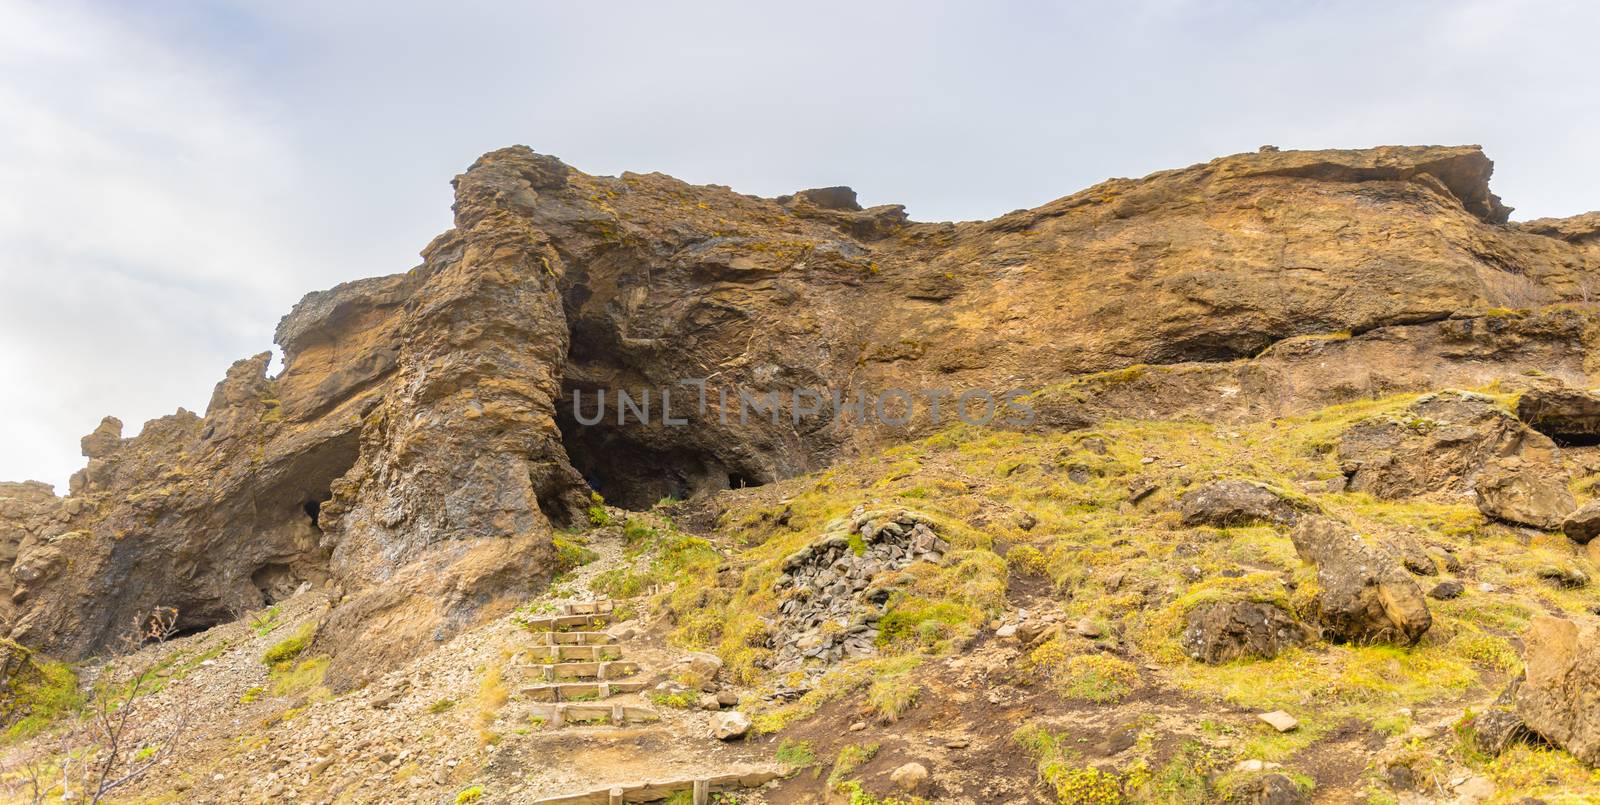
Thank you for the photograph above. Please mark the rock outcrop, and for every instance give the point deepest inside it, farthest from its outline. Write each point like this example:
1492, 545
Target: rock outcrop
1441, 446
1237, 503
1225, 631
1571, 415
1560, 697
1362, 595
422, 441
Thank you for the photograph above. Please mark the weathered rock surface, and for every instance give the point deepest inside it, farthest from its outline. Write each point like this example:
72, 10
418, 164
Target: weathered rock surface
1236, 503
1560, 697
1515, 491
1571, 415
420, 444
1224, 631
1583, 524
1362, 595
830, 607
1441, 446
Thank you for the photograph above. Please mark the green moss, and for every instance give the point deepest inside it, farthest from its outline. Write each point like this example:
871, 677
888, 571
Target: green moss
40, 698
1057, 765
682, 700
441, 706
303, 678
851, 758
285, 651
570, 554
795, 754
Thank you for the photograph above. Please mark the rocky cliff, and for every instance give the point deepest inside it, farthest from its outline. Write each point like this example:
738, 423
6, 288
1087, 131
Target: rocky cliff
419, 447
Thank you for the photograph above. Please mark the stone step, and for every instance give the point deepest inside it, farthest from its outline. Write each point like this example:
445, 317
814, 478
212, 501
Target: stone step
573, 639
613, 669
561, 623
588, 608
576, 653
562, 715
700, 789
580, 691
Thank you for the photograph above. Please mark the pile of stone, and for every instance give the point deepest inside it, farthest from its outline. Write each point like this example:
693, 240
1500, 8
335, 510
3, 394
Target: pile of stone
830, 609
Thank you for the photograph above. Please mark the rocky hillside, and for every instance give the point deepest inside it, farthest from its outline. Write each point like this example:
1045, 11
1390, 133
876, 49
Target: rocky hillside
1284, 498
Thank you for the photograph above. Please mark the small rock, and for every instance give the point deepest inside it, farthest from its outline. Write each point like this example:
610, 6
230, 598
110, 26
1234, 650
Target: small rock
1086, 628
1475, 789
858, 726
1447, 589
1253, 766
1280, 721
1400, 777
1485, 587
727, 698
708, 702
910, 777
1006, 631
728, 725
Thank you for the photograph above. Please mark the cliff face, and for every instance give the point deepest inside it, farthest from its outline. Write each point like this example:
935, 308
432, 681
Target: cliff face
420, 447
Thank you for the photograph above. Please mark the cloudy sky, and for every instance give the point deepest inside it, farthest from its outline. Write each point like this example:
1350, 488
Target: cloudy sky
175, 175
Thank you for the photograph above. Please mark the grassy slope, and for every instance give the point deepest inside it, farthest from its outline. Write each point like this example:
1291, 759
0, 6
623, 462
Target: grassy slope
1122, 565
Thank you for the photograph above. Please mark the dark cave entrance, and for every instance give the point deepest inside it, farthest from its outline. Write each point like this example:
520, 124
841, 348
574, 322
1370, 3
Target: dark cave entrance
636, 466
313, 508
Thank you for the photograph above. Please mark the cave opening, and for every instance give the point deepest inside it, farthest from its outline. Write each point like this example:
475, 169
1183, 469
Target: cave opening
636, 466
313, 508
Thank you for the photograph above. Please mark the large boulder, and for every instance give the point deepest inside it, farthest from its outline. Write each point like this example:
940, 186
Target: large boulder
1236, 503
1583, 525
1560, 697
1231, 630
1524, 493
1362, 595
1439, 445
1567, 414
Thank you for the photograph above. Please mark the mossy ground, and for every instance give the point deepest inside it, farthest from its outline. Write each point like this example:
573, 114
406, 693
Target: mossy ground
1058, 513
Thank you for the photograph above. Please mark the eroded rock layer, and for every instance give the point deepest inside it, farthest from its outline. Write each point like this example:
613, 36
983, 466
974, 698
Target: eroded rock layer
421, 444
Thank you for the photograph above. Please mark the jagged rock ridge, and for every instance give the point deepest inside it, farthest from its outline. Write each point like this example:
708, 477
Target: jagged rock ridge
419, 445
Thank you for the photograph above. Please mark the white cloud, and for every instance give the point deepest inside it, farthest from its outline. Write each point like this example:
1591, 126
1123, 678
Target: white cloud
137, 232
174, 176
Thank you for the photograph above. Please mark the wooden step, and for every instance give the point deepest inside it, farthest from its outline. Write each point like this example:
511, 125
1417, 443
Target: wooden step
573, 639
561, 623
612, 669
562, 715
580, 691
655, 790
558, 653
588, 608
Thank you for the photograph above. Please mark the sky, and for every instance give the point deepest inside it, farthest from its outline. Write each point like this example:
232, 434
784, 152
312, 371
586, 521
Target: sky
174, 176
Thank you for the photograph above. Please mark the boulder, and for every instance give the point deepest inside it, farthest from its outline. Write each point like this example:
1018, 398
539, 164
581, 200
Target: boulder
1362, 595
705, 664
1560, 695
1567, 414
1269, 789
1524, 493
1236, 503
1224, 631
1495, 730
1583, 525
909, 777
729, 725
1447, 590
